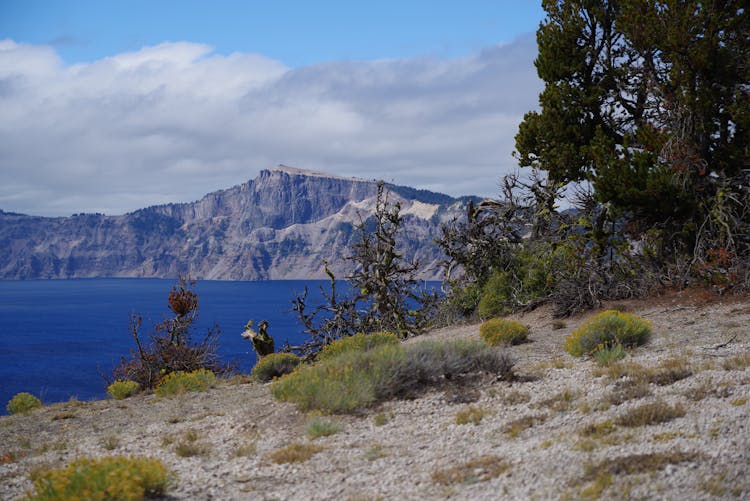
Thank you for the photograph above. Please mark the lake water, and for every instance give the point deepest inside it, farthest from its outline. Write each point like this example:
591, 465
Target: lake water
55, 335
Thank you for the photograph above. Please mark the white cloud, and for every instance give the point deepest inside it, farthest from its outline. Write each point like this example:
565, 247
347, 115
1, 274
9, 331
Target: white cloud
175, 121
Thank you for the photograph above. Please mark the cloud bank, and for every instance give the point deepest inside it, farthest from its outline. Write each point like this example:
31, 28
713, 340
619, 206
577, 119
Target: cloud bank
172, 122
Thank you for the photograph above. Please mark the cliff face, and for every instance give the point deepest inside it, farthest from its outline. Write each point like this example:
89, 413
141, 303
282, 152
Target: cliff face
281, 225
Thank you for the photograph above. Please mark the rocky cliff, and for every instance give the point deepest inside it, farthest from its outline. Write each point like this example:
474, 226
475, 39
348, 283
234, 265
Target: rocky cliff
281, 225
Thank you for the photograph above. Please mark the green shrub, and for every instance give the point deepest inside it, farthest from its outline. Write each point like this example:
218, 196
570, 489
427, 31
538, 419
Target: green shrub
357, 342
496, 296
609, 355
108, 478
320, 427
123, 389
342, 383
460, 302
275, 365
499, 331
357, 379
22, 403
180, 382
606, 330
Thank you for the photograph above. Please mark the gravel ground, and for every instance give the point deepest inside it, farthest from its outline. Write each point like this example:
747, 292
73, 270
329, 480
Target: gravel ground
557, 432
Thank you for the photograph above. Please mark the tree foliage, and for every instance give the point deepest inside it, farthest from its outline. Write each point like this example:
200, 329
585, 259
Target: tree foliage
648, 102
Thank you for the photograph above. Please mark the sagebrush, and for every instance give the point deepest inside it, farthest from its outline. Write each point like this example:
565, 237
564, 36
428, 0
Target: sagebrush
356, 379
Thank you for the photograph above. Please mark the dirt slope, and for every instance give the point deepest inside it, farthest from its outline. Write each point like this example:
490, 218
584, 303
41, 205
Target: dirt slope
558, 432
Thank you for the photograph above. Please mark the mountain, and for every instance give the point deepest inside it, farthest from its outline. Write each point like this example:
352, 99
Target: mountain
281, 225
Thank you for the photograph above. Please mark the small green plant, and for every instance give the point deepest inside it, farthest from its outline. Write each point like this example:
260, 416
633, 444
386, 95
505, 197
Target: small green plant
294, 453
606, 330
380, 419
471, 415
22, 403
320, 427
275, 365
123, 389
357, 342
114, 477
177, 383
609, 355
499, 331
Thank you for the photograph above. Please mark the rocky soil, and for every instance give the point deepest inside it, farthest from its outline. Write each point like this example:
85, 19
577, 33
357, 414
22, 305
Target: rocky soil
560, 431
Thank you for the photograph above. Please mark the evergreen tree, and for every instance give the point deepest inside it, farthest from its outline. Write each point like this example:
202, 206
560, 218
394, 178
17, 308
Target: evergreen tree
647, 100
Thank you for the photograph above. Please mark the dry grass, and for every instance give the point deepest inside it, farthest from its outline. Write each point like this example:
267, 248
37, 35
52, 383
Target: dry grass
737, 363
480, 469
109, 442
515, 397
471, 415
294, 453
628, 390
377, 451
560, 402
650, 413
668, 372
518, 426
708, 389
246, 449
638, 463
597, 430
190, 446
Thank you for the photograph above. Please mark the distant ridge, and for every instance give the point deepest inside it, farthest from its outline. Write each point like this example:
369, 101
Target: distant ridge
281, 225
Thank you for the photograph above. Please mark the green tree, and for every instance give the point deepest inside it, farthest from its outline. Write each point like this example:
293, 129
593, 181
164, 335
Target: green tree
648, 103
647, 100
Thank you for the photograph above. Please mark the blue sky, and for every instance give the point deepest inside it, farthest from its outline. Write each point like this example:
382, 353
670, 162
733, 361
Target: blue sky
97, 95
296, 33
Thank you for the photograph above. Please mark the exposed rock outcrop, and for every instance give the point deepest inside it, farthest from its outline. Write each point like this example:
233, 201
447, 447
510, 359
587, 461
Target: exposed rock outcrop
281, 225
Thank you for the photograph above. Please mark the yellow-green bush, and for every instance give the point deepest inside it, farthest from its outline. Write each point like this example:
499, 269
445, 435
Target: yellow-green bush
109, 478
180, 382
606, 330
340, 384
22, 403
123, 389
357, 342
499, 331
275, 365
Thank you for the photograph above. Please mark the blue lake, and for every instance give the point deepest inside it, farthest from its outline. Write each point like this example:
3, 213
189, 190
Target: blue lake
55, 335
